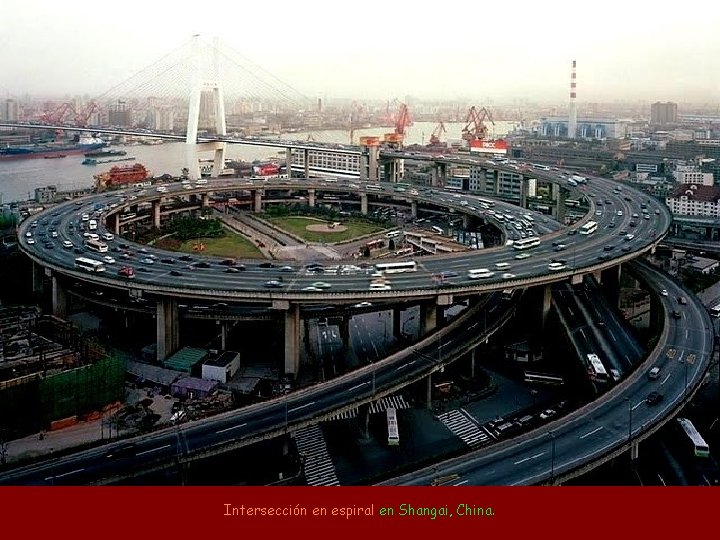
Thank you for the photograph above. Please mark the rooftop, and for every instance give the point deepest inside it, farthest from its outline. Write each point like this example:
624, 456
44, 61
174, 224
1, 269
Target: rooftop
697, 192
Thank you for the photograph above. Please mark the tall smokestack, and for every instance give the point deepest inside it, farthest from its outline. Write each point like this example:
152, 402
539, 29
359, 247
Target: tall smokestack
572, 121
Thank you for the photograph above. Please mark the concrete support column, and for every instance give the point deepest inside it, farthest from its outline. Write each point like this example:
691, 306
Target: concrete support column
466, 221
363, 204
113, 224
167, 321
555, 196
428, 391
306, 164
634, 450
373, 163
413, 209
257, 207
292, 339
428, 317
59, 299
547, 303
396, 322
38, 272
205, 200
472, 362
156, 214
288, 161
311, 198
439, 173
223, 334
523, 192
363, 420
345, 332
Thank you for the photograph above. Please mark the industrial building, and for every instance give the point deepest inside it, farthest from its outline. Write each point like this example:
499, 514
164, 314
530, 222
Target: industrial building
663, 113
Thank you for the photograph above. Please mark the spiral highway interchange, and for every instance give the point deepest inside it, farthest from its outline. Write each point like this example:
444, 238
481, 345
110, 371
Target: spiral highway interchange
583, 254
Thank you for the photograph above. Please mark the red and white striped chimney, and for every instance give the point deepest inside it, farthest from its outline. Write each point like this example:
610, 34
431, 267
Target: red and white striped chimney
572, 121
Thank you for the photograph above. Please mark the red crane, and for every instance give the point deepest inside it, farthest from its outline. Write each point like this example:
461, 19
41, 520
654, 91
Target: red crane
475, 124
403, 119
57, 116
82, 117
437, 132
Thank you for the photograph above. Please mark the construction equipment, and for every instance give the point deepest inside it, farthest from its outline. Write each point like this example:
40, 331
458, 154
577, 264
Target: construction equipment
402, 121
437, 132
82, 117
475, 128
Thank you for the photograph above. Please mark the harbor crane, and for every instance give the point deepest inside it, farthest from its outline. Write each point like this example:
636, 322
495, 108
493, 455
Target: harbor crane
475, 128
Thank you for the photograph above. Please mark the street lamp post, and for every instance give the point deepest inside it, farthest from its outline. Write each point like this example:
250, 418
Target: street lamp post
412, 317
686, 378
629, 423
552, 457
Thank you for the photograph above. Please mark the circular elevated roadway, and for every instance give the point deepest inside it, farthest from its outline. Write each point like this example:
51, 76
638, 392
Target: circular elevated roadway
608, 246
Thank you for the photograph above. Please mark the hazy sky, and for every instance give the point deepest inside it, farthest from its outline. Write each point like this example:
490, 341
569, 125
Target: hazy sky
476, 49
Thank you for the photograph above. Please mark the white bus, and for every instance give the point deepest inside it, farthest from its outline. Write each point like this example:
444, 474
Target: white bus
541, 167
693, 438
589, 228
395, 267
543, 378
392, 425
96, 245
437, 230
480, 273
527, 243
485, 201
596, 369
89, 265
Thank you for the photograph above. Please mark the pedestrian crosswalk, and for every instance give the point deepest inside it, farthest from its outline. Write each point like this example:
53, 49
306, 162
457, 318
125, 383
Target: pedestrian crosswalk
459, 422
381, 405
317, 464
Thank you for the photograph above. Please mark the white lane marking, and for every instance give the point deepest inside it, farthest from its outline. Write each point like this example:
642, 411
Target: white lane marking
153, 450
665, 379
461, 483
636, 405
64, 474
301, 407
528, 458
228, 428
591, 432
358, 386
404, 366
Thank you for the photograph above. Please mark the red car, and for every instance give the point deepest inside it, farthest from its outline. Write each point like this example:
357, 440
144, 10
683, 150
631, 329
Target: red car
127, 271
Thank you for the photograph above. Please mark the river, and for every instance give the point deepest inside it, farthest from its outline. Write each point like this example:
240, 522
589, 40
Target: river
19, 178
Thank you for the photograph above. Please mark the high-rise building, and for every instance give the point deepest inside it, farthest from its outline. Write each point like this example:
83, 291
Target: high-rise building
9, 111
663, 113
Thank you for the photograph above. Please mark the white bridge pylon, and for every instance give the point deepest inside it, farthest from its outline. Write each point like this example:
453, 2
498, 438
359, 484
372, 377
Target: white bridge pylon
205, 81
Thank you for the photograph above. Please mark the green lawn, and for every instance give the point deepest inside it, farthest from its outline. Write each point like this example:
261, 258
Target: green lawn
296, 225
230, 245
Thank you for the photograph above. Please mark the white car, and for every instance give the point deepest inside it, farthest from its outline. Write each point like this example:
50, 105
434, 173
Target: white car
108, 236
108, 259
663, 293
30, 240
379, 287
67, 244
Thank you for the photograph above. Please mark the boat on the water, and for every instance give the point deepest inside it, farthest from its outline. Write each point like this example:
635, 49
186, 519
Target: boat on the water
104, 153
51, 149
56, 157
92, 161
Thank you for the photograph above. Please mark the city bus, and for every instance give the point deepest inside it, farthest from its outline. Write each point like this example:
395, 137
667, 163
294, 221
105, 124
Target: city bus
528, 218
589, 228
375, 244
693, 439
89, 265
527, 243
392, 425
715, 312
572, 202
596, 369
485, 201
543, 378
395, 267
480, 273
96, 245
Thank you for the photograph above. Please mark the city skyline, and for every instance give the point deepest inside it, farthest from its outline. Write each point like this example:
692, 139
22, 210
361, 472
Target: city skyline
377, 51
